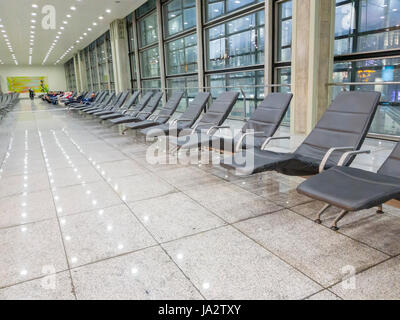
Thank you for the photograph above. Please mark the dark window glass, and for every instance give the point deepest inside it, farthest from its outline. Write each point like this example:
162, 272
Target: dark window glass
150, 63
189, 94
148, 33
236, 43
182, 55
218, 8
179, 15
252, 84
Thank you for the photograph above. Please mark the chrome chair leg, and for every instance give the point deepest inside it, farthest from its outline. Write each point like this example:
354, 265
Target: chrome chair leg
340, 217
319, 214
380, 209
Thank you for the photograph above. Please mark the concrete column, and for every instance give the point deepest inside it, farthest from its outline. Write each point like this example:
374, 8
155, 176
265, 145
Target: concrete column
119, 48
312, 61
200, 47
161, 49
269, 47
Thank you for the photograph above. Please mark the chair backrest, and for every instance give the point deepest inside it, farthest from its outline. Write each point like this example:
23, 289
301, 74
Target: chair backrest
121, 100
151, 106
194, 109
170, 107
269, 114
142, 103
108, 100
131, 100
219, 110
391, 167
344, 124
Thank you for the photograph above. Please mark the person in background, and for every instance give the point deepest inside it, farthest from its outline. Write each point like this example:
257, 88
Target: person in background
31, 94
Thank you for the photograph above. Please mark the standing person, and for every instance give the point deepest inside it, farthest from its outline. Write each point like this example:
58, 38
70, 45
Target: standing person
31, 94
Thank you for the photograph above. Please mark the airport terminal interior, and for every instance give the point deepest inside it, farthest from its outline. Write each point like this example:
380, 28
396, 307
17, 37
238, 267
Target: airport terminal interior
200, 149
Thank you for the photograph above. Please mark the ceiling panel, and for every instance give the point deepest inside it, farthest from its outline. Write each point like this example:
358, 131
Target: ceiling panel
17, 21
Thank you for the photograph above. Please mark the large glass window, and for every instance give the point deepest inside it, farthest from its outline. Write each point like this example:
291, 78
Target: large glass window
218, 8
367, 25
93, 66
110, 61
102, 63
250, 82
150, 63
387, 120
70, 75
88, 70
151, 84
284, 52
145, 8
190, 83
182, 55
148, 33
179, 16
236, 43
365, 32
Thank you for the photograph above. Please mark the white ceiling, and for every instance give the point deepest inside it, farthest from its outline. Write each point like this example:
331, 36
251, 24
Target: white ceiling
16, 18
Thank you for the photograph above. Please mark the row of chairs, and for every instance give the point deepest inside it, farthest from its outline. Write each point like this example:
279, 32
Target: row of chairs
325, 155
7, 101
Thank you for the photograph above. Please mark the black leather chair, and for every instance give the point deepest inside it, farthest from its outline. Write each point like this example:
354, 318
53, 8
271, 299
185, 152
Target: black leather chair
342, 128
185, 121
353, 189
131, 109
141, 115
258, 130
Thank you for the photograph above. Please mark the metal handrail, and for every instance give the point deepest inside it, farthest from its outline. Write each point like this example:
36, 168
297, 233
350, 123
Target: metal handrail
225, 87
345, 84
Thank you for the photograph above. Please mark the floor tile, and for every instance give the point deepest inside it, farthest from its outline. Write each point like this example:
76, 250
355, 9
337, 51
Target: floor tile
378, 283
31, 250
122, 168
101, 234
149, 274
378, 231
313, 249
21, 209
86, 197
324, 295
23, 183
174, 216
72, 176
230, 202
140, 187
51, 287
224, 264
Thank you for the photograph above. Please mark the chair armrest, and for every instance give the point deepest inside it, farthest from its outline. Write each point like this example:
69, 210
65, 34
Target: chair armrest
329, 153
266, 143
216, 128
351, 153
179, 120
244, 135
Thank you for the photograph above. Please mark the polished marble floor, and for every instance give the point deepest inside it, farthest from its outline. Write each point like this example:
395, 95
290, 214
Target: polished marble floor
84, 215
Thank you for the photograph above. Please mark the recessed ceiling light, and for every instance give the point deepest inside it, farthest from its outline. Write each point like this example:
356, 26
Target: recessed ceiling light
95, 23
90, 29
69, 16
65, 22
73, 8
33, 21
108, 11
62, 28
101, 17
34, 13
33, 27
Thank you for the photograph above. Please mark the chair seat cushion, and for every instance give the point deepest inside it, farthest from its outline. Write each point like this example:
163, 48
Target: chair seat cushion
351, 189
